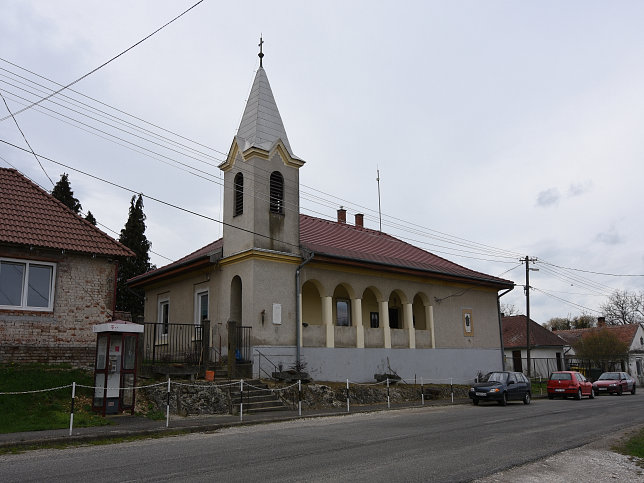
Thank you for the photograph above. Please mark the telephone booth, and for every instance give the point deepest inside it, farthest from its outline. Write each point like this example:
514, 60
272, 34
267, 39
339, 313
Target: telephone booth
115, 368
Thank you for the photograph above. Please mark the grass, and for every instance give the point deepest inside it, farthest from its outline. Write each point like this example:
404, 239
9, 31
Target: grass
44, 410
634, 446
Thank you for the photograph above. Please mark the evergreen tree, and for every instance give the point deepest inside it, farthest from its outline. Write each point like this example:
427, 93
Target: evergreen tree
89, 217
133, 237
63, 193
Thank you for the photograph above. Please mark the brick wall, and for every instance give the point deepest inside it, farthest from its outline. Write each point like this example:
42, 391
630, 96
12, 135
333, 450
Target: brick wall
83, 297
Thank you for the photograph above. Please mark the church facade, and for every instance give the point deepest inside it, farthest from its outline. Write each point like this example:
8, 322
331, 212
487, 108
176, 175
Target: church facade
344, 300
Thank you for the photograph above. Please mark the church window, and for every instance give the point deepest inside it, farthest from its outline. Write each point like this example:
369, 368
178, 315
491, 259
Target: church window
342, 309
239, 194
277, 193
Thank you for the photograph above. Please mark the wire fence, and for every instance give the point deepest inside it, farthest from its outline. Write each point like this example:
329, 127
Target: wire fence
241, 385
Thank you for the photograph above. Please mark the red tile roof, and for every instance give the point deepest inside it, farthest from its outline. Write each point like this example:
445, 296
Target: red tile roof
624, 333
31, 216
346, 241
514, 333
358, 244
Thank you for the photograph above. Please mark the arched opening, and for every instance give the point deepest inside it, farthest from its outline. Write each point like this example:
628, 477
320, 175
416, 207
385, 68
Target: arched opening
341, 307
395, 311
370, 310
418, 310
239, 195
277, 193
311, 304
236, 300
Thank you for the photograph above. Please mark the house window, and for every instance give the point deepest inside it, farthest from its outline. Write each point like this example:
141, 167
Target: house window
374, 318
27, 285
342, 312
239, 194
164, 316
277, 193
201, 307
638, 363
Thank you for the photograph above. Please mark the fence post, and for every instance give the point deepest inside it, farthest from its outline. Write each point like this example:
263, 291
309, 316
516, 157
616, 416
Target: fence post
71, 414
241, 399
299, 397
388, 400
451, 386
422, 391
167, 406
347, 395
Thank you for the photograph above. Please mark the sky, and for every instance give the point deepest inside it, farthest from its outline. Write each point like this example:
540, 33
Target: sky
499, 129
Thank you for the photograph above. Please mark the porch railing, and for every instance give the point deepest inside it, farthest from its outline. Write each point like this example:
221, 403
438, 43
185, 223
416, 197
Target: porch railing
175, 343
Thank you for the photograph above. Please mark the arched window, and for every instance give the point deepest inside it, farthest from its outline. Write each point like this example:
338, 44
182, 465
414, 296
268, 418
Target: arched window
277, 192
239, 194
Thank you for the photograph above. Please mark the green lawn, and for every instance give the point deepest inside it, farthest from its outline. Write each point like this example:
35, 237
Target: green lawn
44, 410
634, 446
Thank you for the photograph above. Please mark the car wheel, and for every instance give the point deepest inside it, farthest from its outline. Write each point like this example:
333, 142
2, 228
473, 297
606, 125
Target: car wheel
551, 396
526, 398
578, 396
475, 402
633, 391
620, 389
504, 400
592, 393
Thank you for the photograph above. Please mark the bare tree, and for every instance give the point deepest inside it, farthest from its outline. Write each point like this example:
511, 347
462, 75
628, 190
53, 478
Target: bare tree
509, 310
624, 307
583, 321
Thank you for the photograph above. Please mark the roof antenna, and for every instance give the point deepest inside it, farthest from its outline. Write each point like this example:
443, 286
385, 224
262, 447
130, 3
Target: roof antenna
261, 54
379, 209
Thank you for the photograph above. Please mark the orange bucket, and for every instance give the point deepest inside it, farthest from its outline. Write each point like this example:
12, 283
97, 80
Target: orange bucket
210, 375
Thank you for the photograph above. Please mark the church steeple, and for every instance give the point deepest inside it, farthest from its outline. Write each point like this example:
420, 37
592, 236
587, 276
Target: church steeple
261, 125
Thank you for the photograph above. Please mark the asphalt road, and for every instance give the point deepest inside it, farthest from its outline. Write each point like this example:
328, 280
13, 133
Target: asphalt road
455, 443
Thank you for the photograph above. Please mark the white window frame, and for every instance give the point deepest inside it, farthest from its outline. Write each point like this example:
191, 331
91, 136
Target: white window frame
25, 286
198, 294
161, 302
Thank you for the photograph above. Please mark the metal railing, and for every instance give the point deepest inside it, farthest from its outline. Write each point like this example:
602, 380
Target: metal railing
175, 343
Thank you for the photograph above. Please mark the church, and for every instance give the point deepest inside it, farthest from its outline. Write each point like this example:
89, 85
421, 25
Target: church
340, 299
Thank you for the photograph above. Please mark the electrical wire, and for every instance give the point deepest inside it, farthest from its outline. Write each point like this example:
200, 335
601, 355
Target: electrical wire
565, 301
104, 63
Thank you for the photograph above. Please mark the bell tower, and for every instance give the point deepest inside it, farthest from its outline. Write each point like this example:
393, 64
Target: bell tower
261, 179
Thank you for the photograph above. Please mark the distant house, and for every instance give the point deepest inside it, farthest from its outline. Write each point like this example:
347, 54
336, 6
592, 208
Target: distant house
57, 276
546, 348
631, 334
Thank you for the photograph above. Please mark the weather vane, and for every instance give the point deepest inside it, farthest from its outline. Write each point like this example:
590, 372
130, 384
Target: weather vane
261, 54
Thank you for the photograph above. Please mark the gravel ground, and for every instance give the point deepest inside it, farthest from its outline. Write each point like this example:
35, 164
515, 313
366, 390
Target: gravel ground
592, 462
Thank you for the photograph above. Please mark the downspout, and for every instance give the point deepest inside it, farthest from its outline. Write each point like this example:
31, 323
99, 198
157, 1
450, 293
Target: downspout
498, 311
116, 272
298, 292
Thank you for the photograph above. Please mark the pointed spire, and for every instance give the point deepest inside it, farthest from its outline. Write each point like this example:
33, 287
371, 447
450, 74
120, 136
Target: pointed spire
261, 125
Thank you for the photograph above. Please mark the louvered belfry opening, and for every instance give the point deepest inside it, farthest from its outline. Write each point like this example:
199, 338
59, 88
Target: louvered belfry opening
239, 194
277, 193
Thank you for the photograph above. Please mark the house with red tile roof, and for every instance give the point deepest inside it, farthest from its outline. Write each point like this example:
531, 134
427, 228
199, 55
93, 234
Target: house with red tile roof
546, 348
346, 300
57, 276
630, 334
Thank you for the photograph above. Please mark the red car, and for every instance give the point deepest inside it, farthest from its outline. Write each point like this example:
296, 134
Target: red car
569, 383
614, 382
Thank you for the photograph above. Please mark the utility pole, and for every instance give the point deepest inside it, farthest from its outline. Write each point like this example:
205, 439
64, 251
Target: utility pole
379, 208
527, 304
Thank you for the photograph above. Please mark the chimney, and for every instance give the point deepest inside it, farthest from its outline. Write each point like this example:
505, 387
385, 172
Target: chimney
601, 321
360, 220
342, 215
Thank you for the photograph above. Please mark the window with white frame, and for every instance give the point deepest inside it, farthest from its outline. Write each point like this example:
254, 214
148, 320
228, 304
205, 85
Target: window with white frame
201, 306
27, 285
164, 315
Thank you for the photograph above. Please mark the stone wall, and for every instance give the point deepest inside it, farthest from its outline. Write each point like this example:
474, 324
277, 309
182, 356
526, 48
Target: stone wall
83, 297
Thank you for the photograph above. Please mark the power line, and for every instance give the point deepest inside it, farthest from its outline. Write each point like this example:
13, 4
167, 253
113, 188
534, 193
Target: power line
566, 301
105, 63
25, 138
596, 273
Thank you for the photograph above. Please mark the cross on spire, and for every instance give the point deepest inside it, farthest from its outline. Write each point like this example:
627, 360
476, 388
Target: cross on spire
261, 54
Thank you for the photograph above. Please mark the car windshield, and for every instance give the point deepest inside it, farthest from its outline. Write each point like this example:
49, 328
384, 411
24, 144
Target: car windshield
495, 377
560, 376
609, 375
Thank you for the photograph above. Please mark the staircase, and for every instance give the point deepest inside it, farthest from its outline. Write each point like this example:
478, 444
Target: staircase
256, 400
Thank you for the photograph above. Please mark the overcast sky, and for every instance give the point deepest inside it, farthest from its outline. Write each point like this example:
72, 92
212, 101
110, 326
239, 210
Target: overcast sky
501, 129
